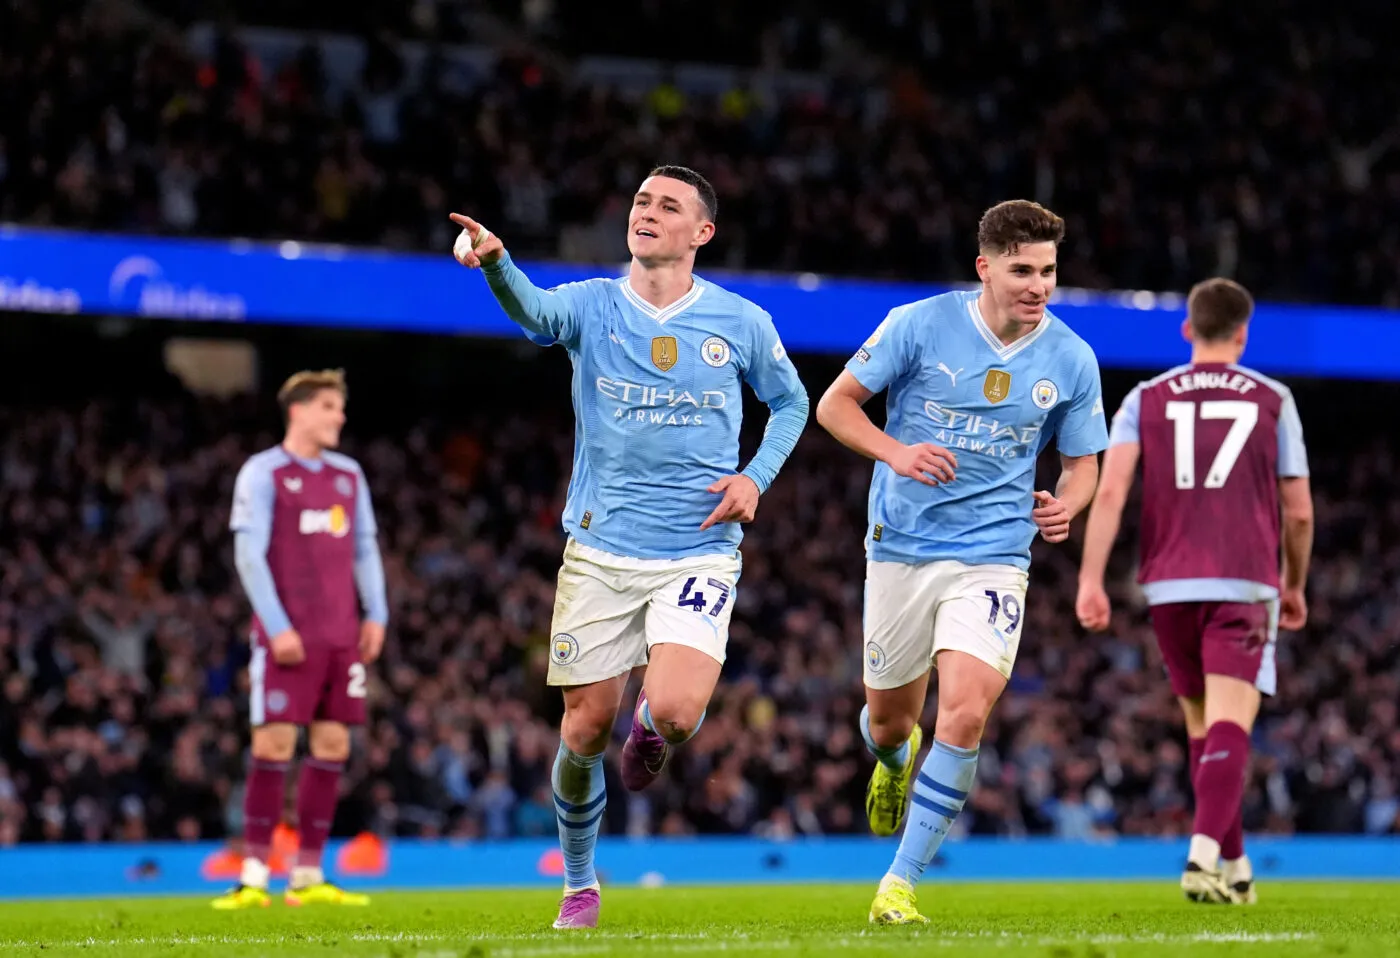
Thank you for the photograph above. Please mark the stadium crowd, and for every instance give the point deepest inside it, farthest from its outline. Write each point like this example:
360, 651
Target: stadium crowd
1253, 140
122, 645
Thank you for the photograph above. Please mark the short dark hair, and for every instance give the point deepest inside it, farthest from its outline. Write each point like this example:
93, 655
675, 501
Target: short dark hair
306, 385
685, 174
1007, 225
1217, 307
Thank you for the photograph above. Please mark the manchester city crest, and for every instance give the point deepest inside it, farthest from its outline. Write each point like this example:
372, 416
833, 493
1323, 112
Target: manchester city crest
715, 351
563, 649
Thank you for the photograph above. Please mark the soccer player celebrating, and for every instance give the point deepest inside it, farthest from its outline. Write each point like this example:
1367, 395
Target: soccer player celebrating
654, 502
304, 541
1221, 449
978, 383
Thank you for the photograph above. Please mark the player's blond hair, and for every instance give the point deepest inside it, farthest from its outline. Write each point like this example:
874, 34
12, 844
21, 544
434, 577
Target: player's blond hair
1009, 224
1217, 307
304, 386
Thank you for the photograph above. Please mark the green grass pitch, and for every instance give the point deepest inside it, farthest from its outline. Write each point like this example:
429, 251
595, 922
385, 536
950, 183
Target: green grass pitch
1058, 920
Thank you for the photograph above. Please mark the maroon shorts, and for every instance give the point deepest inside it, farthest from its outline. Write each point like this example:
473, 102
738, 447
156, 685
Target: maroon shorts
1234, 639
327, 686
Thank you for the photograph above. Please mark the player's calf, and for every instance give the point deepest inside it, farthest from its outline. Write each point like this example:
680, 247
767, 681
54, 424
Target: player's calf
887, 794
580, 797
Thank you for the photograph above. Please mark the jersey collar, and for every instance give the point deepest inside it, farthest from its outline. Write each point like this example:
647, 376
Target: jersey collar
1002, 350
661, 315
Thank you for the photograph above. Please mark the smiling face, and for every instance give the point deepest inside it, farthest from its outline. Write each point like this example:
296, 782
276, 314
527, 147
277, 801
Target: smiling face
668, 223
1018, 282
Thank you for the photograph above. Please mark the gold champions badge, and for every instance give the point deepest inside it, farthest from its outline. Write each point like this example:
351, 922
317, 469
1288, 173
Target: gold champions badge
664, 352
996, 387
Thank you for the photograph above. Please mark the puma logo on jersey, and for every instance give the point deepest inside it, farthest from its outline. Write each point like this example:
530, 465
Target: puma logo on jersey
943, 368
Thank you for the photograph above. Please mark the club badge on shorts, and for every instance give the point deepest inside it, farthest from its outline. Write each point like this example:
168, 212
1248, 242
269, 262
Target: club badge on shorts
565, 649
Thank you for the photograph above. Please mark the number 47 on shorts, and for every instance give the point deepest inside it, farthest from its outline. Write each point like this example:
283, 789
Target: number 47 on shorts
696, 600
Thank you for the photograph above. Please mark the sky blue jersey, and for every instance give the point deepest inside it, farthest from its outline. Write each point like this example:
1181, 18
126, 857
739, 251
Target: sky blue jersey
953, 383
658, 403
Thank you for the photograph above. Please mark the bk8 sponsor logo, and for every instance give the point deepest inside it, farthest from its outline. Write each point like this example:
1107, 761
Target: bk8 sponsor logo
333, 521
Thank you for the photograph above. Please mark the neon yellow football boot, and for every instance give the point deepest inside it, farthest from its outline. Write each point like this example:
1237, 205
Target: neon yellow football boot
895, 904
887, 795
242, 896
324, 893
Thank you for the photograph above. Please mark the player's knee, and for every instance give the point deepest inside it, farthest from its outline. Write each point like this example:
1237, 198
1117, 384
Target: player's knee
275, 743
675, 721
1231, 700
330, 742
586, 729
961, 724
891, 731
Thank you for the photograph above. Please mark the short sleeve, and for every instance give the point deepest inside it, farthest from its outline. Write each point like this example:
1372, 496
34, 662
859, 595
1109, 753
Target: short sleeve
1292, 452
254, 497
1083, 431
1125, 421
888, 353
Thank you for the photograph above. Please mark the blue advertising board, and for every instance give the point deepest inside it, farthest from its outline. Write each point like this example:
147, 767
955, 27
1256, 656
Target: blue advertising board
38, 871
241, 281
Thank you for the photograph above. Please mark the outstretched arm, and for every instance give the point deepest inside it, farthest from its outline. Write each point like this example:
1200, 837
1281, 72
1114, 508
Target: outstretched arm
547, 316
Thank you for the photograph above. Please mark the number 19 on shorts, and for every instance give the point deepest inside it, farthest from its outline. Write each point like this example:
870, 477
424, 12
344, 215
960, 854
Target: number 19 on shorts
1004, 607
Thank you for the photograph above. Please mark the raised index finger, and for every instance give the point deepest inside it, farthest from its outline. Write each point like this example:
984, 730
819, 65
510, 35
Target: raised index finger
465, 221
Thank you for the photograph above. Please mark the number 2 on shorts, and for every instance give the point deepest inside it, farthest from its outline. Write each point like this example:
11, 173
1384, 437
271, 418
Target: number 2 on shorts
356, 688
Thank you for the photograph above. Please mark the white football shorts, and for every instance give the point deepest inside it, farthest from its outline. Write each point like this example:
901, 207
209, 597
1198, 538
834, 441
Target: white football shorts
609, 610
912, 612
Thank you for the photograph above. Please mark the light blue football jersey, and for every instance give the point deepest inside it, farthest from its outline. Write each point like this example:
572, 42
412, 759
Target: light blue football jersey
953, 383
658, 404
